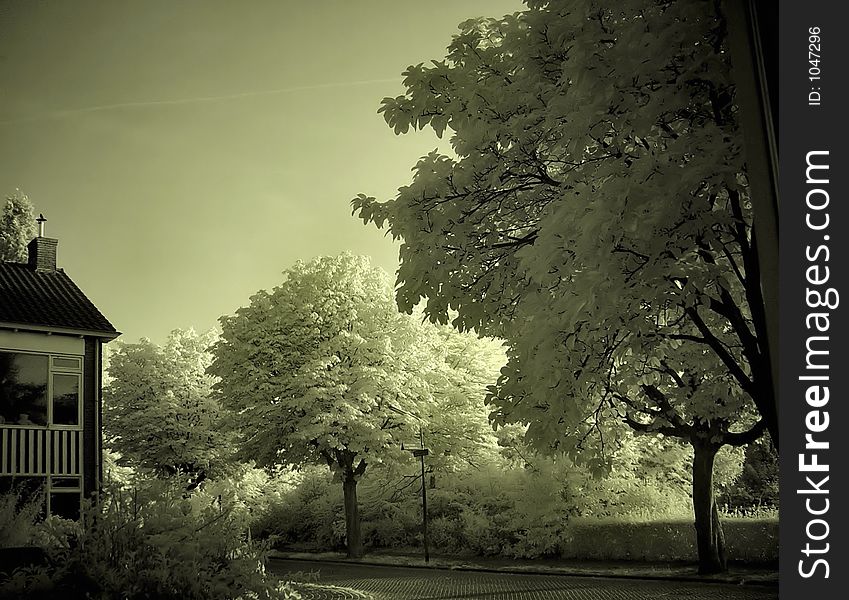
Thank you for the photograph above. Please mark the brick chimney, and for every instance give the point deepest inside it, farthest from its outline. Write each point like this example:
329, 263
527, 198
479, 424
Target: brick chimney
42, 250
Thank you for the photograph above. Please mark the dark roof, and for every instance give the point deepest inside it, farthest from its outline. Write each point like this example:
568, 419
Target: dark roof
47, 299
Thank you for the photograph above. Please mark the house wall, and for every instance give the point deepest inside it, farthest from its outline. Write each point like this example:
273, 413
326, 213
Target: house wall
89, 349
41, 342
91, 414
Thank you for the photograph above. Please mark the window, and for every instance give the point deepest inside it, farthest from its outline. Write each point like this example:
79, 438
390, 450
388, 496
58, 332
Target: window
28, 381
39, 391
23, 389
65, 497
65, 363
66, 399
60, 496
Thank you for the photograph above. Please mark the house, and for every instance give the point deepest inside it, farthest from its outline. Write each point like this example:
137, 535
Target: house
51, 339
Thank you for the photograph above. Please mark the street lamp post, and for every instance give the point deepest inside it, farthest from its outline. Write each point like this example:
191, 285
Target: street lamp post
421, 453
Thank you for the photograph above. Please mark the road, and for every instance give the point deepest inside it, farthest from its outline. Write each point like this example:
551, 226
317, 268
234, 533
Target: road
404, 583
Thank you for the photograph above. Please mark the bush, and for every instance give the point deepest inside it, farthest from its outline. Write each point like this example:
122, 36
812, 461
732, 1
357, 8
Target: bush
757, 486
250, 491
387, 524
20, 510
153, 543
553, 510
309, 514
752, 539
747, 540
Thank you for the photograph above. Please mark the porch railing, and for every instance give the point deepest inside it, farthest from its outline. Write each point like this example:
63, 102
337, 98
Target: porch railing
40, 451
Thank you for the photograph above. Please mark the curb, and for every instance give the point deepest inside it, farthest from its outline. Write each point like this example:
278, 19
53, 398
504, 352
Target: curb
564, 572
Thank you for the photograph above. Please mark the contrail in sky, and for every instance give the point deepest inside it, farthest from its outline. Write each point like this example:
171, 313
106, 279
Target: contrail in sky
195, 100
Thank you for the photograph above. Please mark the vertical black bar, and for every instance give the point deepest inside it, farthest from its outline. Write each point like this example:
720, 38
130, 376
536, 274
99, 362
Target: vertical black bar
424, 514
750, 48
814, 171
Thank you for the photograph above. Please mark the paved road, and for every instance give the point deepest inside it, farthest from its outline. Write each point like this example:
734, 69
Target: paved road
401, 583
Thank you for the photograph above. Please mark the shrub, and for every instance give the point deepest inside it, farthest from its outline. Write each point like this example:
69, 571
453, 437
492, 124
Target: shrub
757, 486
387, 524
251, 492
309, 514
752, 539
154, 543
551, 510
20, 510
747, 540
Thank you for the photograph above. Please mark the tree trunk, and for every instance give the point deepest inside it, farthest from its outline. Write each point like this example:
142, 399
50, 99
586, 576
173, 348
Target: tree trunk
709, 537
352, 516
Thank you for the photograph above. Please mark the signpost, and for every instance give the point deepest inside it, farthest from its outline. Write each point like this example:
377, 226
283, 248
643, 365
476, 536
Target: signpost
421, 453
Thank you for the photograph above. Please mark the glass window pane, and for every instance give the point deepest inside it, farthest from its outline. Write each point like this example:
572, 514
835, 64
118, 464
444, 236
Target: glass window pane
23, 389
66, 363
66, 399
65, 505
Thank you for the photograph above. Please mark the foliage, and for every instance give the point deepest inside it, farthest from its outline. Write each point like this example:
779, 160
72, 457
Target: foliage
547, 229
17, 227
596, 216
154, 543
20, 511
664, 464
309, 514
115, 475
536, 507
455, 427
319, 366
492, 509
323, 369
663, 540
757, 486
251, 492
159, 413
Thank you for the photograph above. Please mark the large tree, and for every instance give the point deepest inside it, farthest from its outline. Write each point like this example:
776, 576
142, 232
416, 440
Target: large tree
324, 369
595, 214
159, 412
17, 227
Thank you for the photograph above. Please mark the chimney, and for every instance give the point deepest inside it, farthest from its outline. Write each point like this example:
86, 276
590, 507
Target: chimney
42, 250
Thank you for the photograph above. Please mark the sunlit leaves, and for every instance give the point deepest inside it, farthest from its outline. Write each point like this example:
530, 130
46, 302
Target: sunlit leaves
594, 215
17, 227
158, 409
323, 368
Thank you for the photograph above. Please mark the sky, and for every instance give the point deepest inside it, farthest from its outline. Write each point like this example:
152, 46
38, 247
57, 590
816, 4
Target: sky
186, 153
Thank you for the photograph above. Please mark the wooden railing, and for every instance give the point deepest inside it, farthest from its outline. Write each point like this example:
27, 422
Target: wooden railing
40, 451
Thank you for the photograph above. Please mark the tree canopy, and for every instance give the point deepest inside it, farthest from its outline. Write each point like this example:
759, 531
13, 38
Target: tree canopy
159, 412
17, 227
595, 214
598, 167
324, 369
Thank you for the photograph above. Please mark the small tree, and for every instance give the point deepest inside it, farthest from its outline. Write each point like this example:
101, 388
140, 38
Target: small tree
17, 227
159, 412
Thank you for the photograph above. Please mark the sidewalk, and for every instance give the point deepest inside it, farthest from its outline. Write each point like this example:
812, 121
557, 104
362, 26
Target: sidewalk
737, 574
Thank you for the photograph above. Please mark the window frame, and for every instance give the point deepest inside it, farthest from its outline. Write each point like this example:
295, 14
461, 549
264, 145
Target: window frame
64, 426
49, 490
51, 371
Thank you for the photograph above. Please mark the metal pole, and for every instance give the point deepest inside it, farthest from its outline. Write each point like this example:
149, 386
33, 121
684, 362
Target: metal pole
421, 453
424, 513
